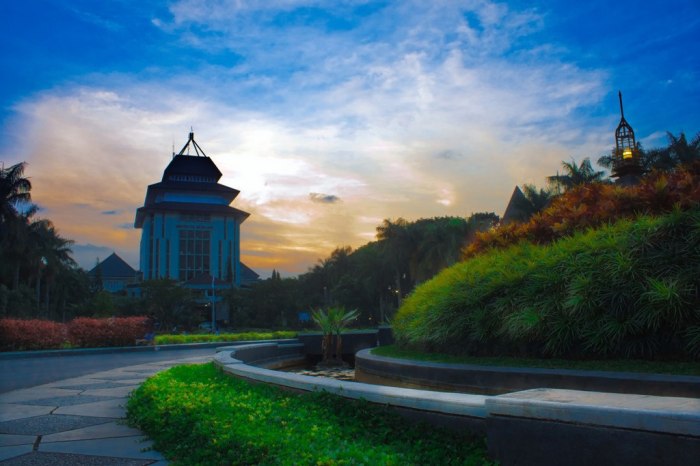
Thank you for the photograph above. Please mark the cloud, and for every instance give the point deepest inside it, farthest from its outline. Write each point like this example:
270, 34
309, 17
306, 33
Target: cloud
441, 114
324, 198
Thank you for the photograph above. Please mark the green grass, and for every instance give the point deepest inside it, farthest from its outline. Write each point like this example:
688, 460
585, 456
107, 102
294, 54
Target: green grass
617, 365
224, 337
198, 416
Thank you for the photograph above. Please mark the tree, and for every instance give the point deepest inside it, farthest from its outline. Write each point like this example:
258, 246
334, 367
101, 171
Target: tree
576, 175
170, 303
678, 151
332, 323
52, 255
14, 191
397, 244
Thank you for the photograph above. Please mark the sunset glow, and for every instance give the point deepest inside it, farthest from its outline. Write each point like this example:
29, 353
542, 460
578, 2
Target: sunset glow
327, 116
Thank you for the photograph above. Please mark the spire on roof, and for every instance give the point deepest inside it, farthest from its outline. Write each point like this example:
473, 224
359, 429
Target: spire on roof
198, 150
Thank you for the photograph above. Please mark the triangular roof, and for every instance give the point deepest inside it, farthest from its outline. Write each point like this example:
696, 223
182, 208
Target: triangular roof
114, 267
248, 275
514, 211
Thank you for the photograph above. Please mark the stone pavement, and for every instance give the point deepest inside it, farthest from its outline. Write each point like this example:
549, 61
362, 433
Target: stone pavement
78, 421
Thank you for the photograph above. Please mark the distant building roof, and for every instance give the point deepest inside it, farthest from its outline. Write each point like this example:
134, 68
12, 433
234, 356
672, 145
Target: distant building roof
248, 275
514, 211
114, 267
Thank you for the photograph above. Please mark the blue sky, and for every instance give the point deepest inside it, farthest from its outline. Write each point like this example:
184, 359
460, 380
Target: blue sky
329, 116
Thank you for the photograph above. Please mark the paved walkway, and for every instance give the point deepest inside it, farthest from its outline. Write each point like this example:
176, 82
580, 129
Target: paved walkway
78, 421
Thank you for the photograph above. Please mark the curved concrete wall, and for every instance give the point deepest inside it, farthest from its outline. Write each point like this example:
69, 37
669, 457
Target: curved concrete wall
534, 427
497, 380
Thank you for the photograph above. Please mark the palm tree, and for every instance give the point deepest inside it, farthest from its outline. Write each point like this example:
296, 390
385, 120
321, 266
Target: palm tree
50, 253
576, 175
332, 323
681, 151
14, 191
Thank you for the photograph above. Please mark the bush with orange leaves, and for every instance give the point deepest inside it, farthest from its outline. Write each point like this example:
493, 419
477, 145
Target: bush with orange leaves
592, 205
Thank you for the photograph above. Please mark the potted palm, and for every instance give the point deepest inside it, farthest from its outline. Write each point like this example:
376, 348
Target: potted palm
332, 323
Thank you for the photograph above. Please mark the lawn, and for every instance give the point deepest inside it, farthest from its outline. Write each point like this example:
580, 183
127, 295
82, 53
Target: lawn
617, 365
198, 416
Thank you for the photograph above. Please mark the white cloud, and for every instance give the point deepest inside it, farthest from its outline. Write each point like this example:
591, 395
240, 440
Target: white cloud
357, 113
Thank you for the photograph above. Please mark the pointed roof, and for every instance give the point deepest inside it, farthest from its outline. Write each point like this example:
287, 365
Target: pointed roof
514, 211
248, 275
194, 175
114, 267
186, 167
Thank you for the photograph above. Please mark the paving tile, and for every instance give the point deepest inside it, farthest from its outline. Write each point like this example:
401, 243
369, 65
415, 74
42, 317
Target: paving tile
37, 393
105, 409
82, 385
124, 447
38, 458
11, 411
50, 424
126, 378
108, 430
121, 391
8, 440
13, 451
69, 400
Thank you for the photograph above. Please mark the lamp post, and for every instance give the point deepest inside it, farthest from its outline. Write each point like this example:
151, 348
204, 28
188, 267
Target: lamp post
42, 264
213, 306
626, 166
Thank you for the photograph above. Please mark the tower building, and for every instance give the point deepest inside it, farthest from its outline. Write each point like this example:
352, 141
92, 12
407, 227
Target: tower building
190, 233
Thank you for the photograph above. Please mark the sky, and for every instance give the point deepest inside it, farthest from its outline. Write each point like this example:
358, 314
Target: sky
328, 116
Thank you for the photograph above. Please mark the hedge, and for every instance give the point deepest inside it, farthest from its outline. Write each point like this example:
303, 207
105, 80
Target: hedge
83, 332
628, 290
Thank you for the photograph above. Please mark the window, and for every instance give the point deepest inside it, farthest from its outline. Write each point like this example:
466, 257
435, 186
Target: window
194, 253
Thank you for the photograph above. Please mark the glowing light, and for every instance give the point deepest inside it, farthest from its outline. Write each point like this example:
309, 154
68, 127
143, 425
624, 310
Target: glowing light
627, 153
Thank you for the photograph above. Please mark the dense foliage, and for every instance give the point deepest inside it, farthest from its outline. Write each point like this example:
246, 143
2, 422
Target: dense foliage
17, 334
372, 279
595, 204
624, 290
38, 277
198, 416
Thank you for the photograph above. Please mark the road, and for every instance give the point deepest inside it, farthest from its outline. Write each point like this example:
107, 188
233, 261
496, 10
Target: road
29, 372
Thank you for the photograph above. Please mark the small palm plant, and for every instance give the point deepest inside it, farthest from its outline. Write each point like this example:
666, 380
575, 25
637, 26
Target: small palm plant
332, 323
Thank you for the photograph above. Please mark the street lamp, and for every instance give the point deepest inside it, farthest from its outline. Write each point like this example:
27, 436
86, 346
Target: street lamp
626, 166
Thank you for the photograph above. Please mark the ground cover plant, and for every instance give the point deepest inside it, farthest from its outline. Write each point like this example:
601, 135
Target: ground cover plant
223, 337
198, 416
626, 290
616, 365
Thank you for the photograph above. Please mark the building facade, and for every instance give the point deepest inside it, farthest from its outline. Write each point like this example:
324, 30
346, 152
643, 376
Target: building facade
190, 233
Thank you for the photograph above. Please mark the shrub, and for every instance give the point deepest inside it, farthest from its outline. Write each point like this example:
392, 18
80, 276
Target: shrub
117, 331
206, 338
18, 335
597, 204
196, 415
626, 290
